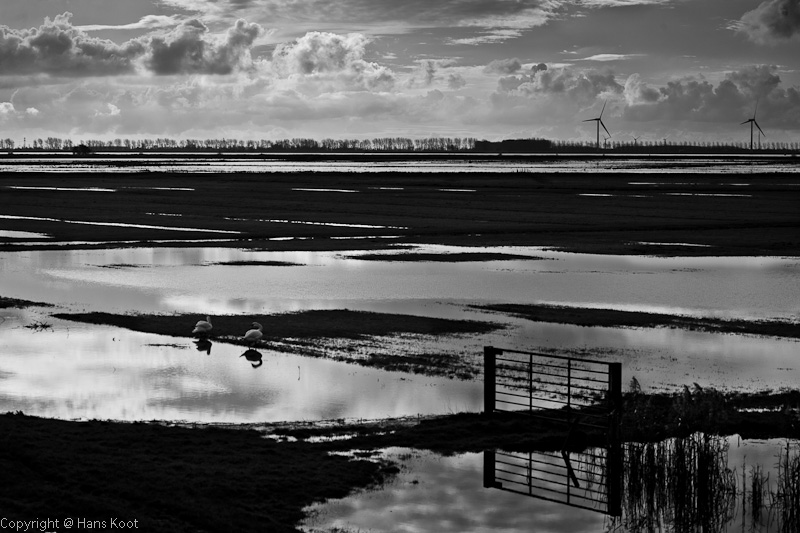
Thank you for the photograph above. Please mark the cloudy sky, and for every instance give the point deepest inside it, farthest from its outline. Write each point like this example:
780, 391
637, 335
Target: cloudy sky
491, 69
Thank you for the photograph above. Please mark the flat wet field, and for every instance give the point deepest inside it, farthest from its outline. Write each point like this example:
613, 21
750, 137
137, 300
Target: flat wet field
377, 291
696, 214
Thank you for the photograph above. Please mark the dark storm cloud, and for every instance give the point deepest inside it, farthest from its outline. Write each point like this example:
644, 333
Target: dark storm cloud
772, 21
731, 99
58, 48
187, 49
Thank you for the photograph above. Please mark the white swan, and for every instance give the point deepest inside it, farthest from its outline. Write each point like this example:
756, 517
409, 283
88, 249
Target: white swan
254, 335
203, 327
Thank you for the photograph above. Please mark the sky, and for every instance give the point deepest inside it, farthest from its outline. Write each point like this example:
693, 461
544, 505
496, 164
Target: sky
684, 70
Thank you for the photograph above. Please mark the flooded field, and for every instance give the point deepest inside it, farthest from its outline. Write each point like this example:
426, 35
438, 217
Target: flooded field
73, 370
185, 239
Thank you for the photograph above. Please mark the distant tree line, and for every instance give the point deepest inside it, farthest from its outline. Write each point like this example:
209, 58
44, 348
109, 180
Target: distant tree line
382, 144
402, 144
632, 147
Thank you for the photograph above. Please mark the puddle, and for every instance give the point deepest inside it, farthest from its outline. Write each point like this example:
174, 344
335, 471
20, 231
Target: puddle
324, 190
81, 189
661, 489
118, 224
308, 223
10, 234
674, 244
722, 195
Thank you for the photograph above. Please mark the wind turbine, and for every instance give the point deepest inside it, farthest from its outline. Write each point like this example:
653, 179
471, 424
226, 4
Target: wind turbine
599, 123
635, 139
753, 121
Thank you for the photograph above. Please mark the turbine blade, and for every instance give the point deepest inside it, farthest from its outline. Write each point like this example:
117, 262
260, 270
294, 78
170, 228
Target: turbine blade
746, 121
756, 110
604, 127
589, 120
604, 108
759, 128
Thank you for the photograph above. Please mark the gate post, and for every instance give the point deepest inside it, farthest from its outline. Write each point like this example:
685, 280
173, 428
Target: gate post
489, 378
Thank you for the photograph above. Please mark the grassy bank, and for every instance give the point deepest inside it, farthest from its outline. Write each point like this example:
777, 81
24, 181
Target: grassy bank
310, 332
582, 316
224, 479
6, 302
443, 258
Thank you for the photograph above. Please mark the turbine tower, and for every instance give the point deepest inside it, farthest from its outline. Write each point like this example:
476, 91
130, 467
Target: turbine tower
752, 121
599, 121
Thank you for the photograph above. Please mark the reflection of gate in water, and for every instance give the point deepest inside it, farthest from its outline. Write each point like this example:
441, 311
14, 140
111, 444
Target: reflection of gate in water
584, 394
590, 479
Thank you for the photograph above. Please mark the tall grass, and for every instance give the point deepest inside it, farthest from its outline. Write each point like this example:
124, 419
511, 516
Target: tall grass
681, 484
787, 495
686, 485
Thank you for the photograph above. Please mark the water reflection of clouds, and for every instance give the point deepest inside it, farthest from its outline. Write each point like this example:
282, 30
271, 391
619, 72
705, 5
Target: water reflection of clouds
174, 281
89, 371
445, 494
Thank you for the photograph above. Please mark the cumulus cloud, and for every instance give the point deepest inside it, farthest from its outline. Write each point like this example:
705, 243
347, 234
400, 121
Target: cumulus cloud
189, 50
6, 108
581, 87
456, 81
553, 101
733, 97
503, 66
331, 60
59, 48
637, 92
772, 21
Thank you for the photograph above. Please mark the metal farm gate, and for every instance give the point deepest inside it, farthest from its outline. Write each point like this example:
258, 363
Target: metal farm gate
583, 394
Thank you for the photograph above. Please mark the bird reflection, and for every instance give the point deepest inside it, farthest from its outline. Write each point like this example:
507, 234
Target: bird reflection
254, 356
203, 345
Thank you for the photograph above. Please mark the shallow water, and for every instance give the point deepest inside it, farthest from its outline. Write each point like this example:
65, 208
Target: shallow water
447, 494
73, 370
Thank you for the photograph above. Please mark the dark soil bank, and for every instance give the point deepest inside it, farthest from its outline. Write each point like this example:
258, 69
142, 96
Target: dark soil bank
596, 213
582, 316
340, 323
305, 333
